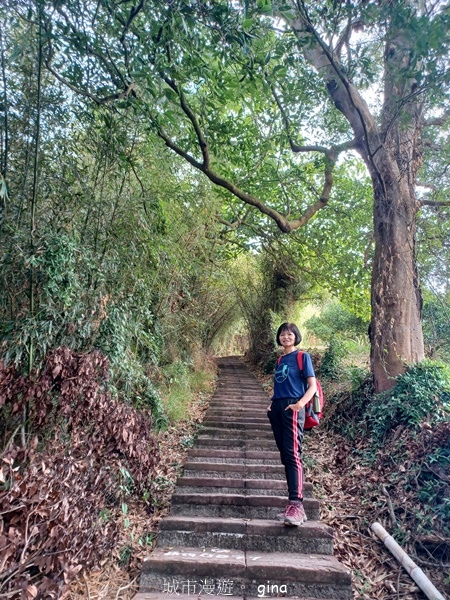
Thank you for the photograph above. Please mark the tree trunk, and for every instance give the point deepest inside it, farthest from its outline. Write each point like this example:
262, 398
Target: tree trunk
261, 337
396, 328
396, 325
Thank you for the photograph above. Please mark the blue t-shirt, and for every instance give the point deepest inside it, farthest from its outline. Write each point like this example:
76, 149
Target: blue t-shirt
288, 383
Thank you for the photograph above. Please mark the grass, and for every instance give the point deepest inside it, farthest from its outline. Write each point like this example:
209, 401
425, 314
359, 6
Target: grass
181, 384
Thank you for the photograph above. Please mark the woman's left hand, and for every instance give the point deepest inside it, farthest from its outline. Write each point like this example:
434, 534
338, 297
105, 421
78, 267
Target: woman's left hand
295, 407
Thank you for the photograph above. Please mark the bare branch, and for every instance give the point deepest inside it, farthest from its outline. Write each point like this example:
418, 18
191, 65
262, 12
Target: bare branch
344, 40
171, 144
438, 121
192, 118
434, 203
105, 100
429, 186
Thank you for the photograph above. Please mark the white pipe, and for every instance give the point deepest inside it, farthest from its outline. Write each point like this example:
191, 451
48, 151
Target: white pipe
409, 565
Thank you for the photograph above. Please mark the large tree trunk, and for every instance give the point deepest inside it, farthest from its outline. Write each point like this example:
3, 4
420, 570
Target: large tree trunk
396, 328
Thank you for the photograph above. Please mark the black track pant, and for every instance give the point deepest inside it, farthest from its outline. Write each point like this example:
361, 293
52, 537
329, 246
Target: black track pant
287, 427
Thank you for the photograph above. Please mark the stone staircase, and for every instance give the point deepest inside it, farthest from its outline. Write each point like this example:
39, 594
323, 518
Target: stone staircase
221, 539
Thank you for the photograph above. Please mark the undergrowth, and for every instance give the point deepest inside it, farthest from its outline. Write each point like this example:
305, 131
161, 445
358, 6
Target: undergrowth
180, 383
404, 437
63, 491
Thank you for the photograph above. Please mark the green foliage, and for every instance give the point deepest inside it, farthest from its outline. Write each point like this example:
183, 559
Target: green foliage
335, 320
436, 328
105, 267
332, 365
61, 273
422, 393
270, 364
432, 492
402, 438
180, 385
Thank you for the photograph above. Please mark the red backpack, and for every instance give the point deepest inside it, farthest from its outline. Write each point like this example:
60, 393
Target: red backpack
314, 408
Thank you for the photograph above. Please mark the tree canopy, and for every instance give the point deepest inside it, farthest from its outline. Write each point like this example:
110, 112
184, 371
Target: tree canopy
302, 116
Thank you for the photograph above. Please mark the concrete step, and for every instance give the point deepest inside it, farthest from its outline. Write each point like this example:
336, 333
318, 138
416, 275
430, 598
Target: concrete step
312, 537
245, 573
222, 538
240, 401
235, 470
256, 487
246, 389
239, 420
246, 426
228, 410
164, 596
243, 434
239, 392
221, 455
212, 442
235, 505
241, 386
247, 486
236, 422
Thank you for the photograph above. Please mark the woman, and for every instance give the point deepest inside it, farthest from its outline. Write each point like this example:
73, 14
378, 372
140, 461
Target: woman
292, 390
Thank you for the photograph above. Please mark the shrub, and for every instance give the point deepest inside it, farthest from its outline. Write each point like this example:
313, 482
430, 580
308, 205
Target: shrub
269, 365
180, 384
335, 320
331, 365
436, 329
422, 393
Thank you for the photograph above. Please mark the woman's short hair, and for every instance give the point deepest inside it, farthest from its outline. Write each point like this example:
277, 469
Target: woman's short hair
292, 327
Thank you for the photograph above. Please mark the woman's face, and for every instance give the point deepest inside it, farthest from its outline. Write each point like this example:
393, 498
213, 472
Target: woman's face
287, 338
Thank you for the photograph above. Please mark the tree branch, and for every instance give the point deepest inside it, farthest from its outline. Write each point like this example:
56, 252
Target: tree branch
192, 118
283, 223
331, 154
429, 186
344, 40
438, 121
105, 100
343, 93
434, 203
238, 221
111, 67
129, 89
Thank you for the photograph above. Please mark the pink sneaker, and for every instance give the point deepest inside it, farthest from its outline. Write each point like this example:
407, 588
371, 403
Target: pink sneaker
280, 516
295, 514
